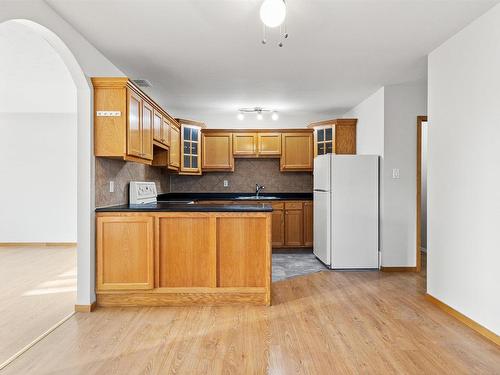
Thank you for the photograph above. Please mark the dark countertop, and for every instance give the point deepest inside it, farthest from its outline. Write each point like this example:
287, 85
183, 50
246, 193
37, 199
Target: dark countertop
232, 196
186, 207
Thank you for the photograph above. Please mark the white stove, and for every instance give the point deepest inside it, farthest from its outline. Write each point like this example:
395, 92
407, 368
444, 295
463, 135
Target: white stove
142, 192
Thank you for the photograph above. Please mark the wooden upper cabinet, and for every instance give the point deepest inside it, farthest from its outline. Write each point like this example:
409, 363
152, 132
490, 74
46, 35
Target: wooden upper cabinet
336, 136
190, 146
269, 144
147, 130
296, 151
345, 138
134, 132
245, 144
161, 130
126, 121
190, 149
125, 251
174, 152
165, 132
157, 126
217, 151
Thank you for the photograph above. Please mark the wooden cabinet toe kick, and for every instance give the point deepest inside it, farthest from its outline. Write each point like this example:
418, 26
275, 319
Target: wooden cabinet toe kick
183, 258
186, 297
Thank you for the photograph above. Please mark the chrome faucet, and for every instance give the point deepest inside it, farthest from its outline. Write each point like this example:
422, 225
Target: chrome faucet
258, 188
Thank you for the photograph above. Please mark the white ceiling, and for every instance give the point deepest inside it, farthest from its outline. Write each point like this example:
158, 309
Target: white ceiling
204, 57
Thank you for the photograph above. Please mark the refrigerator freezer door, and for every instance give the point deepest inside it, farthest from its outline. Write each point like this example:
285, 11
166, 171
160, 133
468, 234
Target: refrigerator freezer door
322, 170
322, 228
355, 213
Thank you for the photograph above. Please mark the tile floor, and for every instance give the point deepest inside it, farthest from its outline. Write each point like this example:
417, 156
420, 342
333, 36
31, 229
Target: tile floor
295, 263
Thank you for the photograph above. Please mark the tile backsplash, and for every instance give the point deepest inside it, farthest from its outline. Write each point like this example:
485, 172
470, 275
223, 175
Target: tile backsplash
122, 172
247, 173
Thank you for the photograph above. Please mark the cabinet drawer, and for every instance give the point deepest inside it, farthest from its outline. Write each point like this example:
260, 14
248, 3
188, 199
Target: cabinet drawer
293, 205
278, 205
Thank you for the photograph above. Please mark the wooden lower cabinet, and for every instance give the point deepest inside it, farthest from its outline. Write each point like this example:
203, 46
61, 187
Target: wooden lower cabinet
125, 251
239, 245
291, 222
308, 223
187, 252
183, 258
294, 224
278, 225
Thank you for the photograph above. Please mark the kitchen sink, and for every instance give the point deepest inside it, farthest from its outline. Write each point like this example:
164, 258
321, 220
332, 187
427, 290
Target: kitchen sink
254, 197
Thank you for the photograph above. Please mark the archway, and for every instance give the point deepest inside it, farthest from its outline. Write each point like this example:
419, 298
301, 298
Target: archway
84, 231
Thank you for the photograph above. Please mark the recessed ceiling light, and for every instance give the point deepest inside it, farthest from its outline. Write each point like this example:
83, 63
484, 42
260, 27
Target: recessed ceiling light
275, 116
259, 116
241, 116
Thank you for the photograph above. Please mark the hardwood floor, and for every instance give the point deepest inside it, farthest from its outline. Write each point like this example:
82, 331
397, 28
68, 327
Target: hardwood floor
322, 323
37, 290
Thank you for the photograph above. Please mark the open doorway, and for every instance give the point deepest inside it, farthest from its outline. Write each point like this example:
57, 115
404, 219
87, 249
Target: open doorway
38, 194
422, 141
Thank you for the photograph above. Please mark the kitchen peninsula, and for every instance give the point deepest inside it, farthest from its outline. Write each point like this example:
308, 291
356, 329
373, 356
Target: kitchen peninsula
177, 254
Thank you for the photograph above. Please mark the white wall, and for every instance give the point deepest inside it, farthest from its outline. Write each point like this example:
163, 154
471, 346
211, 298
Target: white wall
83, 61
403, 103
370, 126
387, 123
38, 154
38, 124
464, 172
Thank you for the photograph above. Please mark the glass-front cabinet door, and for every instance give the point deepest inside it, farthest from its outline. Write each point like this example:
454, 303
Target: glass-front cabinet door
324, 141
190, 161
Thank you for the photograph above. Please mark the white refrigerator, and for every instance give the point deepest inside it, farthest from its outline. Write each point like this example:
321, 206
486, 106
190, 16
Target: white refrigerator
346, 211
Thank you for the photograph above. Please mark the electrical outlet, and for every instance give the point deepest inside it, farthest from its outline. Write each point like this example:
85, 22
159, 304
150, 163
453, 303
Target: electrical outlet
395, 173
226, 183
111, 186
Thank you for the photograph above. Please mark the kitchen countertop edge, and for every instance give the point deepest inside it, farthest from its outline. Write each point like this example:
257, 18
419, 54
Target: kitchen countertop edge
167, 207
165, 197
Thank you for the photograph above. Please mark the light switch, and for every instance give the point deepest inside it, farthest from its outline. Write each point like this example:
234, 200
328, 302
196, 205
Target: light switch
395, 173
111, 186
226, 183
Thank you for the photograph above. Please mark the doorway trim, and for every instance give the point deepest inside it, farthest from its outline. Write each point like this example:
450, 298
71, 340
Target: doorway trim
420, 120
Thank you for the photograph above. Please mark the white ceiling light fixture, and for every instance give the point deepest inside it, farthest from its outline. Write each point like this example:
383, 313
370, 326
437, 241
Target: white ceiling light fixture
273, 14
259, 112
